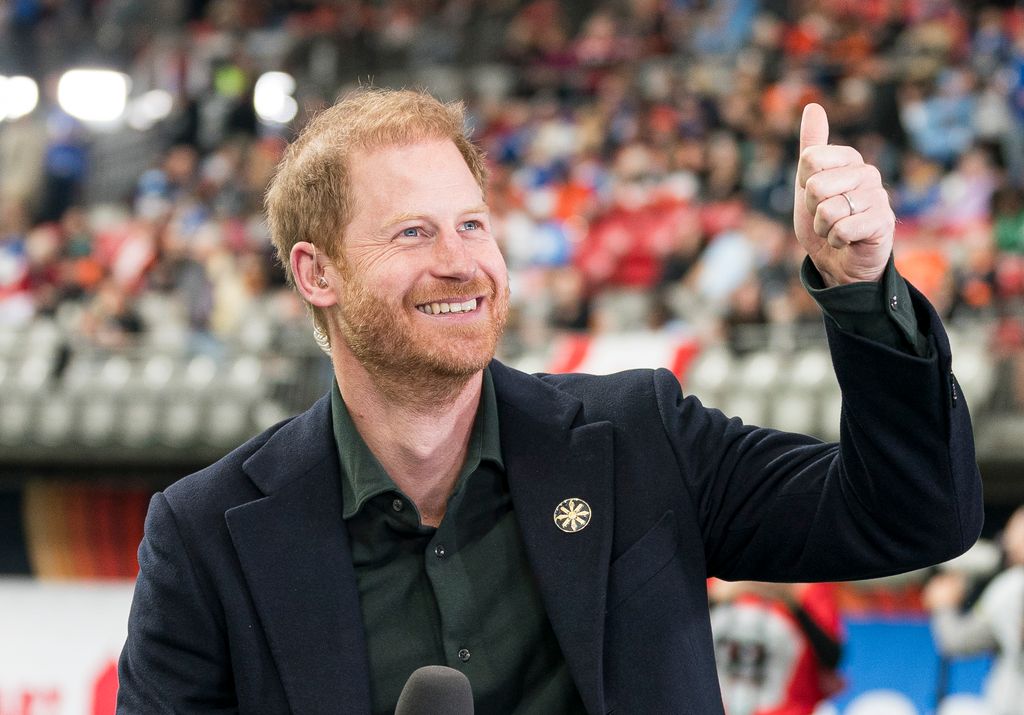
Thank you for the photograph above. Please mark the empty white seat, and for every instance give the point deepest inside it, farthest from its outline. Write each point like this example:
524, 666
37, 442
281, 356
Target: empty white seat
54, 421
811, 370
794, 412
760, 371
97, 421
138, 423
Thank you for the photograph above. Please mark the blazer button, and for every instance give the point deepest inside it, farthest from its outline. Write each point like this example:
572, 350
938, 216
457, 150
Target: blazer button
464, 654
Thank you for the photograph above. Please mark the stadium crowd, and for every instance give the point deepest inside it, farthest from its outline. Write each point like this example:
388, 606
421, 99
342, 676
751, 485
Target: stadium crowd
641, 154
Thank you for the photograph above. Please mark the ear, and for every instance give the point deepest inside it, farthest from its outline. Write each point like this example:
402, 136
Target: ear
315, 277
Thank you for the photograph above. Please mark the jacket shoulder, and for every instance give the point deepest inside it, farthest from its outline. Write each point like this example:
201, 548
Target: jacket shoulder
221, 485
620, 395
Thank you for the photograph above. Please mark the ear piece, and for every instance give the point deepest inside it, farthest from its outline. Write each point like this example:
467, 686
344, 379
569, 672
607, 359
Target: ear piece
322, 282
321, 339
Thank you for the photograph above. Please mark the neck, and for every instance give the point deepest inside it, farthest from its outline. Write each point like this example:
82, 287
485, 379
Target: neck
419, 433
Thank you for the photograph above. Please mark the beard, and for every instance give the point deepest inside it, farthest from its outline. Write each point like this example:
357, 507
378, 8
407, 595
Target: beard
411, 358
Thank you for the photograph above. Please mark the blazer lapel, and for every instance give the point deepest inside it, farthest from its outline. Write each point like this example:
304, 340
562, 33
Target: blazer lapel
294, 552
549, 461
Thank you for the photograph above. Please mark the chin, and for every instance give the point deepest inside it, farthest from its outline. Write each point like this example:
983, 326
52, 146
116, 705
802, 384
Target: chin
452, 364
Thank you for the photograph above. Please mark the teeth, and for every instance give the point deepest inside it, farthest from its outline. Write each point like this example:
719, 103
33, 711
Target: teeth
438, 308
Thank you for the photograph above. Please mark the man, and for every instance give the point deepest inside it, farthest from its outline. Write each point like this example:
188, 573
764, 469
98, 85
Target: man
995, 624
549, 536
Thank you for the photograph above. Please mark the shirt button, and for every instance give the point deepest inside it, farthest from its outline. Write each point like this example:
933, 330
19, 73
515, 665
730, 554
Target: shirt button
397, 505
894, 302
440, 552
464, 654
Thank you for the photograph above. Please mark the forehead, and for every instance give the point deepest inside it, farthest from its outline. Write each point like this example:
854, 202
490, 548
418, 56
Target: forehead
412, 177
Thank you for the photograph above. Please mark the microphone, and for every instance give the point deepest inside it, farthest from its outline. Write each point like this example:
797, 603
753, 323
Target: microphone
436, 690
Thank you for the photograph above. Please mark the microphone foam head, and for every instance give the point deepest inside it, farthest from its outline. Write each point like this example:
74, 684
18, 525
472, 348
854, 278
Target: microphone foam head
436, 690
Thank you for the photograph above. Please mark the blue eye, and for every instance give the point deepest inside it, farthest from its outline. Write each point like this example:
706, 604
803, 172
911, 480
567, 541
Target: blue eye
471, 225
410, 232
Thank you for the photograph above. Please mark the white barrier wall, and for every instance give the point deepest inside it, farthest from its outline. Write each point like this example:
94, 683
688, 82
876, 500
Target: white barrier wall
59, 645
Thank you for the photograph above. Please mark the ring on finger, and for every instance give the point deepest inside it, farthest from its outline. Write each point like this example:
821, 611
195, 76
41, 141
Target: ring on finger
849, 203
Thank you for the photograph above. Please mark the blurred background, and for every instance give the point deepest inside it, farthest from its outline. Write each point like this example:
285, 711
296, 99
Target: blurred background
642, 156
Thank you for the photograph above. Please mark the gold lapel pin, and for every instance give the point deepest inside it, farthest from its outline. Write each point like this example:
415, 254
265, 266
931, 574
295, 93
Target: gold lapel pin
572, 515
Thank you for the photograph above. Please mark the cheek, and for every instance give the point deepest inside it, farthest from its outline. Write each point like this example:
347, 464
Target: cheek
493, 263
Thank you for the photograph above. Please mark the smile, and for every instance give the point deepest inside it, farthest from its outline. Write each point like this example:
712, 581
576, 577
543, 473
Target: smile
448, 307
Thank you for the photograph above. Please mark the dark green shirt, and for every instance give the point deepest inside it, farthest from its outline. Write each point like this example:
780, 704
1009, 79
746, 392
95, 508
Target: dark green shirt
460, 595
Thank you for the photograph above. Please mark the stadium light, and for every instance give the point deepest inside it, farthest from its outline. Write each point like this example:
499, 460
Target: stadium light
272, 98
18, 96
145, 111
93, 95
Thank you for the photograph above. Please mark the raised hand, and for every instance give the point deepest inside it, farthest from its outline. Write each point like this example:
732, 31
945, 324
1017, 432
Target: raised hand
841, 211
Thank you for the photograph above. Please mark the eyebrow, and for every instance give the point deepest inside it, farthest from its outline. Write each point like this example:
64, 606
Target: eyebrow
402, 218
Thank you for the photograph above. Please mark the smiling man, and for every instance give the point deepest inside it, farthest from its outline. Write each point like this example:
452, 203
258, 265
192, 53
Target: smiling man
548, 536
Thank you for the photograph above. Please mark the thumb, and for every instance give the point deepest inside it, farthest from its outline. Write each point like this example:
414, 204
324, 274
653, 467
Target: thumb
813, 127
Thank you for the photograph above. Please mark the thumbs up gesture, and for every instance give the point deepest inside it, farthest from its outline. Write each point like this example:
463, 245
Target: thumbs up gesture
841, 211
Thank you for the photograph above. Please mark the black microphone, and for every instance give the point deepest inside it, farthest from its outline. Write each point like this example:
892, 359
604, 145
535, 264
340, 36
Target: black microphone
436, 690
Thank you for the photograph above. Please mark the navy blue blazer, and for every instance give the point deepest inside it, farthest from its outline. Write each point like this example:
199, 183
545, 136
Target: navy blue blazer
246, 598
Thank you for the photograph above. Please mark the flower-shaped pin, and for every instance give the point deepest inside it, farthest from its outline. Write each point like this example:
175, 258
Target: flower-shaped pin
572, 515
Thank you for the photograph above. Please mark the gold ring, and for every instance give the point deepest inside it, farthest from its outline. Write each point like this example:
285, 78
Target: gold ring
849, 202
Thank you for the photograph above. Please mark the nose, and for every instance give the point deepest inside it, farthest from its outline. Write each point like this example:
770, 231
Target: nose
453, 259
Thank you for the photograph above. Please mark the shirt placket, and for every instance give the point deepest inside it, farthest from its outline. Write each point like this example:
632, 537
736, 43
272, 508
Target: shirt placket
446, 573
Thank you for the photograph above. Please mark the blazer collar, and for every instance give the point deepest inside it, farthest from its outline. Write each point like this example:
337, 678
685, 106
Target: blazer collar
551, 455
294, 552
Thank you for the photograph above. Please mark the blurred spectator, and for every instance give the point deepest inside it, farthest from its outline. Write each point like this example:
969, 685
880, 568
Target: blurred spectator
65, 166
1009, 220
917, 196
995, 623
940, 124
777, 646
22, 148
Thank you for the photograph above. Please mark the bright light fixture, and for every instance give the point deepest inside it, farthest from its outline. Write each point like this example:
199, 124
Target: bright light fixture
93, 95
272, 97
18, 96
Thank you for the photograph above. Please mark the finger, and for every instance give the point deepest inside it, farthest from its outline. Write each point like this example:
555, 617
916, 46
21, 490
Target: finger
865, 180
813, 127
867, 226
816, 159
832, 210
826, 184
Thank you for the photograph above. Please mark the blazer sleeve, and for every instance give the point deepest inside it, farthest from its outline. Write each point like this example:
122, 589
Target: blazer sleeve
175, 659
900, 490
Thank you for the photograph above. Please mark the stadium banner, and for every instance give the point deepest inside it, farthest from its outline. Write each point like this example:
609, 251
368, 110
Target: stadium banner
59, 643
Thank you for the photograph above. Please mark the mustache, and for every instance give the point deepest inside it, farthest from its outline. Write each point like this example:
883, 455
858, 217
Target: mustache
437, 291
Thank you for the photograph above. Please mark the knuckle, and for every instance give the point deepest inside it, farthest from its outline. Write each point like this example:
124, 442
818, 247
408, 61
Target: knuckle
814, 189
845, 230
810, 160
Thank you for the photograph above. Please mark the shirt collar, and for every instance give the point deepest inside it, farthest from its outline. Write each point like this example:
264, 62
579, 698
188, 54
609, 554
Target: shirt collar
363, 477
